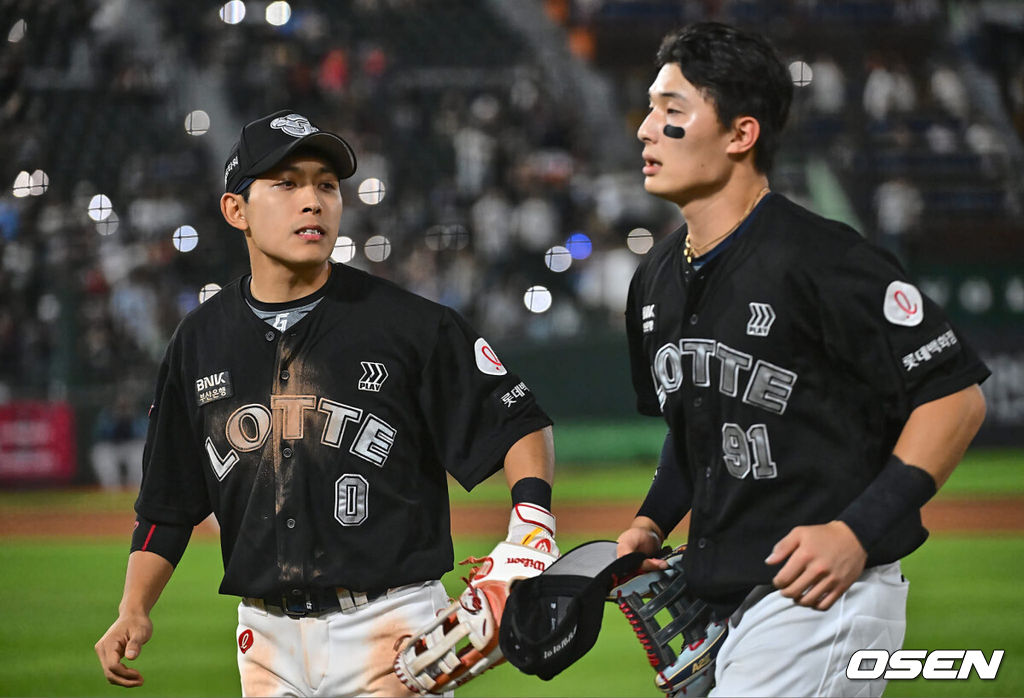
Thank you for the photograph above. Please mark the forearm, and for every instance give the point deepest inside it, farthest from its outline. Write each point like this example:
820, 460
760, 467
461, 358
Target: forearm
651, 526
938, 433
668, 499
145, 579
531, 456
529, 470
669, 496
931, 444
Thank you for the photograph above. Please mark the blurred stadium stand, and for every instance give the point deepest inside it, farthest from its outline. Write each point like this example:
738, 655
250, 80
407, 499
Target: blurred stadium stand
503, 136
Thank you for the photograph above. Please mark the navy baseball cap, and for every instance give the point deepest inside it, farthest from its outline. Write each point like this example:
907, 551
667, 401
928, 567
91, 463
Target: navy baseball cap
553, 619
265, 142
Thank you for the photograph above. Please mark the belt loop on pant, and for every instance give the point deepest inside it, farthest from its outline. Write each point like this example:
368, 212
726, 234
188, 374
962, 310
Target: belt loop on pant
351, 600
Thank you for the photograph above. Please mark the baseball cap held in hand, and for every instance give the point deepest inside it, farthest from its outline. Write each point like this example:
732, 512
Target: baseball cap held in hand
553, 619
265, 142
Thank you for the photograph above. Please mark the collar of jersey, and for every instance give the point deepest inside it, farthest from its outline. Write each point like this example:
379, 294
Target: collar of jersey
286, 305
699, 262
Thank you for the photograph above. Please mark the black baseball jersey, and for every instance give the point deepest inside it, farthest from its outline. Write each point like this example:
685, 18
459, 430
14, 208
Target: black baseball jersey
322, 451
785, 367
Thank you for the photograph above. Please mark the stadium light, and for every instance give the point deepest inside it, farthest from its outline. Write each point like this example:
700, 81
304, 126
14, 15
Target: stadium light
109, 225
558, 258
801, 73
639, 240
232, 12
278, 13
579, 245
197, 123
100, 207
537, 299
344, 250
21, 187
207, 292
185, 238
17, 32
377, 248
371, 191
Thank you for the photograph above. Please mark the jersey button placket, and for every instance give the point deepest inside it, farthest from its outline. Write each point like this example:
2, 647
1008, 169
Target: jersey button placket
270, 336
285, 375
286, 452
290, 523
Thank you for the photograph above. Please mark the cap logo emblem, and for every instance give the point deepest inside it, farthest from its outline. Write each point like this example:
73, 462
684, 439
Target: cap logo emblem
294, 125
227, 171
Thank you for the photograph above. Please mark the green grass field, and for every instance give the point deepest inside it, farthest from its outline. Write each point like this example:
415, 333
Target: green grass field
58, 598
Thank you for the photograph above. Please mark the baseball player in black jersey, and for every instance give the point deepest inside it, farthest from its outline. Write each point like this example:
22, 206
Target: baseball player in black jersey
316, 411
815, 398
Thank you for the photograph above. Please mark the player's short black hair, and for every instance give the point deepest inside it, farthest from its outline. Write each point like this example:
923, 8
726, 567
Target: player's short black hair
740, 73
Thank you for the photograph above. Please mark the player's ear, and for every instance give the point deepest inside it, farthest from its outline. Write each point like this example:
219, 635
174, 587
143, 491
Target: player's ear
745, 132
232, 207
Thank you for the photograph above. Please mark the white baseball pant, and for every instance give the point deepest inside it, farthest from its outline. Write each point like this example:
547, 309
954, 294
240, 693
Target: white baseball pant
348, 652
778, 648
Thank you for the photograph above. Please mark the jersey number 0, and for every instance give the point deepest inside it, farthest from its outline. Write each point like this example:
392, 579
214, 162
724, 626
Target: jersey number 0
351, 493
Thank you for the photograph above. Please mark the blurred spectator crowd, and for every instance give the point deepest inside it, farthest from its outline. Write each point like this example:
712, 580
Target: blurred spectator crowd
492, 179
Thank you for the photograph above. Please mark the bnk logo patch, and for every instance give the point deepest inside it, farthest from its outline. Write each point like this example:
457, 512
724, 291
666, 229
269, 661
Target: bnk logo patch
214, 387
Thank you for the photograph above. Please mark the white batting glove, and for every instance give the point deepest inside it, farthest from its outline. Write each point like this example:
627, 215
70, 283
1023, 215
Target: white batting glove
533, 526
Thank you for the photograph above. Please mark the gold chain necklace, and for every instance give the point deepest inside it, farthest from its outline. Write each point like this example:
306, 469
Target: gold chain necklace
691, 251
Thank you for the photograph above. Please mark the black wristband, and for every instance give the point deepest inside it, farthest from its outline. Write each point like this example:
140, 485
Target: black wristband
670, 495
532, 490
166, 540
899, 490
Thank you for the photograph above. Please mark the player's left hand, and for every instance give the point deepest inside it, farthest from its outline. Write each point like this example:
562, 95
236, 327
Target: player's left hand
823, 561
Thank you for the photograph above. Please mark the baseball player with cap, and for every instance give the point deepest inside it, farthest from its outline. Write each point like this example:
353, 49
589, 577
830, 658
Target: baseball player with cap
316, 411
815, 398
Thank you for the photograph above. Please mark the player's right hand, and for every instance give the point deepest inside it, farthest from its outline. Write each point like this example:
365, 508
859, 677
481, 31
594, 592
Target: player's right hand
639, 538
123, 640
821, 562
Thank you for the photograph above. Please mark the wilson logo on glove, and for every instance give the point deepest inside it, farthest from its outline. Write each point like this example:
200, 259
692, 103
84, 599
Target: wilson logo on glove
538, 565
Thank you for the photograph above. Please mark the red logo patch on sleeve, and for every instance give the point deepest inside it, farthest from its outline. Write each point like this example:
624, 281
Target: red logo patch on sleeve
903, 304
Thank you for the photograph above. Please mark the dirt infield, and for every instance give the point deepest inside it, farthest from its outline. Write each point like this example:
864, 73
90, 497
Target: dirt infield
975, 516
